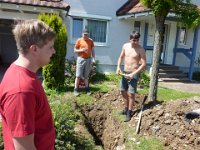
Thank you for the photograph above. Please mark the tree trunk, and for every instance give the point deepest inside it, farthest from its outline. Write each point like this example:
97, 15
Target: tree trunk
156, 58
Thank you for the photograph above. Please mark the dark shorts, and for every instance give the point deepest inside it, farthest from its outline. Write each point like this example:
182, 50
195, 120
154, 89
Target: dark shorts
83, 67
129, 85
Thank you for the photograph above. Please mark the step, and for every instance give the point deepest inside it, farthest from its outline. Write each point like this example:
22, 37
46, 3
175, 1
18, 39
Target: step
168, 68
171, 71
174, 75
185, 80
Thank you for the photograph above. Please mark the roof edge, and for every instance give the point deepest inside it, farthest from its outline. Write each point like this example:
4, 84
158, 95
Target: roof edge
26, 4
127, 3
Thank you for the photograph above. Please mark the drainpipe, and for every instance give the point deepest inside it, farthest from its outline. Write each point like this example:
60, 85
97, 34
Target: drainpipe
194, 49
65, 13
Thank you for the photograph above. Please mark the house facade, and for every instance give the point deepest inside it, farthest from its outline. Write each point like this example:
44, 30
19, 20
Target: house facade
180, 45
108, 32
111, 22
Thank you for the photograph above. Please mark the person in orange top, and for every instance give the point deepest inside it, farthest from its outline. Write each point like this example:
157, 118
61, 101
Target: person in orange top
84, 48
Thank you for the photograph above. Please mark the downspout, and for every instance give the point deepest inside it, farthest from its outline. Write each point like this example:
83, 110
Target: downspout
194, 49
64, 13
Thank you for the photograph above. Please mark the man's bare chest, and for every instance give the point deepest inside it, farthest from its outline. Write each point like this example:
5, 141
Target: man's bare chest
132, 53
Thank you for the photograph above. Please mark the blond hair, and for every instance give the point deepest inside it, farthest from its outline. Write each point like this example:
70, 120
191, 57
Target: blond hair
29, 32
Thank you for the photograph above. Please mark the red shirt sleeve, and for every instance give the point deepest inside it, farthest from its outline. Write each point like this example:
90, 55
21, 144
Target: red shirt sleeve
20, 114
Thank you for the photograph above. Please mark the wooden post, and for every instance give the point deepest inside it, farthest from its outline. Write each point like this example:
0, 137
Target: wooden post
140, 115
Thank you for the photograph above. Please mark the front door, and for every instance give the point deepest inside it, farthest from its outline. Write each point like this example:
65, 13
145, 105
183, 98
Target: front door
164, 43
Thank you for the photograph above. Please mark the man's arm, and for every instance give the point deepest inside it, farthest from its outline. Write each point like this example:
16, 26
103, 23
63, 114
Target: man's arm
23, 111
143, 60
93, 55
24, 143
77, 48
121, 57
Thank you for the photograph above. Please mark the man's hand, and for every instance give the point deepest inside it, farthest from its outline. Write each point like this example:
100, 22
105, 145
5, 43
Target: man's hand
122, 74
24, 143
118, 71
84, 50
93, 60
129, 76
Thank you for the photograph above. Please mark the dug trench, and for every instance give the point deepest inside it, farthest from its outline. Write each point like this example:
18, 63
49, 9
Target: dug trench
165, 121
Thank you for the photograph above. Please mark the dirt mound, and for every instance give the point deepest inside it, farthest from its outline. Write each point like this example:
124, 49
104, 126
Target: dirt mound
166, 120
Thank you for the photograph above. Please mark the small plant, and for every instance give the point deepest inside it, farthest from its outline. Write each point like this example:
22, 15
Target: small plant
197, 61
70, 71
1, 138
196, 76
144, 79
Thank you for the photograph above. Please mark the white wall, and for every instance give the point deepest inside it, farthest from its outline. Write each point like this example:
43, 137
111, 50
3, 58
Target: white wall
171, 42
119, 30
197, 2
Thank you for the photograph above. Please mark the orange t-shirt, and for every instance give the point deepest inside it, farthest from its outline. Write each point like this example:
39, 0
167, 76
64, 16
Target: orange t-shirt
85, 43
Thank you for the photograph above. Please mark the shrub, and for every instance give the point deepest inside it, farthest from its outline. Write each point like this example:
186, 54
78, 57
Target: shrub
197, 61
64, 122
144, 79
53, 73
1, 138
65, 119
70, 71
196, 76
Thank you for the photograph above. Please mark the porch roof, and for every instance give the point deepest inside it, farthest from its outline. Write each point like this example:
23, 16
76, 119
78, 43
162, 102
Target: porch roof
130, 7
58, 4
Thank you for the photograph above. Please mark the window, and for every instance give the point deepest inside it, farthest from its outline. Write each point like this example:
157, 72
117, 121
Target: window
182, 36
137, 26
77, 28
97, 29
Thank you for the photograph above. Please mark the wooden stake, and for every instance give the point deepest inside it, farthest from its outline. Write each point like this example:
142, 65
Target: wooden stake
140, 115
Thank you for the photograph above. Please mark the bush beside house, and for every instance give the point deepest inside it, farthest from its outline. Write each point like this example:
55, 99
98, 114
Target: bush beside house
53, 73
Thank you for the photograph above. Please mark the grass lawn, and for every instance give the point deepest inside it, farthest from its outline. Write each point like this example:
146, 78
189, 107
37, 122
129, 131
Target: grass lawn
165, 94
104, 85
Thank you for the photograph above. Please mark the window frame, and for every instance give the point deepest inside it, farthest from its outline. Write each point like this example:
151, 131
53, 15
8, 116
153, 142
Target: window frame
85, 23
135, 26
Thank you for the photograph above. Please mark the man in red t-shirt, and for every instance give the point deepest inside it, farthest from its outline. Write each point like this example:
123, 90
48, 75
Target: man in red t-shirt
26, 116
84, 48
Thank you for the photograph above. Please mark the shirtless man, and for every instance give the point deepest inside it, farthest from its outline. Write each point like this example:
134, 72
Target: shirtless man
134, 61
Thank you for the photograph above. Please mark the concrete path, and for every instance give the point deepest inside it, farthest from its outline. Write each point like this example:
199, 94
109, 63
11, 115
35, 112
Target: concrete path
190, 87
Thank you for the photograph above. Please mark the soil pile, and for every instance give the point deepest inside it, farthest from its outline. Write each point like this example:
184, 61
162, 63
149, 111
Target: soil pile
166, 120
